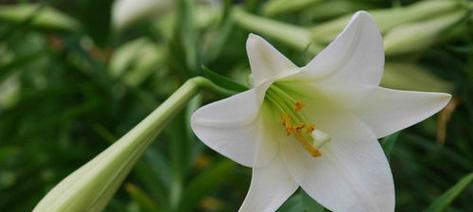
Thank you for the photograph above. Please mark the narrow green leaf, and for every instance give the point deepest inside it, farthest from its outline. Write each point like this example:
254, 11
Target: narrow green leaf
144, 201
223, 81
388, 143
442, 202
20, 60
151, 182
221, 35
206, 182
187, 33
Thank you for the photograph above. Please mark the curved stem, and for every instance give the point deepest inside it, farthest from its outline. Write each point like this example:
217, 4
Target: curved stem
91, 187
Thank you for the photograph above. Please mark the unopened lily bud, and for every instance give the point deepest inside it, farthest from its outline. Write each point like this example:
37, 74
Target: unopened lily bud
417, 36
334, 8
43, 17
276, 7
91, 187
295, 36
388, 18
126, 12
408, 76
135, 61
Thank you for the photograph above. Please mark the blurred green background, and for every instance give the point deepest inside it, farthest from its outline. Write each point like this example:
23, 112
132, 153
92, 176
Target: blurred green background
75, 75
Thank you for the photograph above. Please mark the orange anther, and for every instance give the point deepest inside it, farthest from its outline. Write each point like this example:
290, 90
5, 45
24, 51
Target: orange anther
286, 122
289, 130
310, 128
298, 106
299, 127
312, 150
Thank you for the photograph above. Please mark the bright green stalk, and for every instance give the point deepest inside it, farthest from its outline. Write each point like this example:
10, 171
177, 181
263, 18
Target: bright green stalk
300, 38
410, 76
389, 18
420, 35
276, 7
297, 37
334, 8
91, 187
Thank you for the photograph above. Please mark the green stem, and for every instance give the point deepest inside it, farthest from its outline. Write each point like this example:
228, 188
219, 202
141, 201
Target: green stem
297, 37
91, 187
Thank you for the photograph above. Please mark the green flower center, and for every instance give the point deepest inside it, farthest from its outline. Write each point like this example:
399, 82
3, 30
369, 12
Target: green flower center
294, 122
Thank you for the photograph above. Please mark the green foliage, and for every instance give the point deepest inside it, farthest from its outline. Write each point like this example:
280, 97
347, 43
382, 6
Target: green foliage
70, 86
37, 16
223, 81
442, 202
300, 201
388, 143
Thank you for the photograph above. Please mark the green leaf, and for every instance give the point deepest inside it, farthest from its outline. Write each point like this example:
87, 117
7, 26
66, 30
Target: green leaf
442, 202
96, 19
144, 201
388, 143
310, 204
223, 81
38, 16
187, 33
206, 182
19, 61
300, 201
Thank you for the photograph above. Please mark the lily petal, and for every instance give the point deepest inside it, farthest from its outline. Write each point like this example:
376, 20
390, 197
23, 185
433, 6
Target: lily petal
270, 186
234, 127
356, 55
352, 174
386, 111
266, 62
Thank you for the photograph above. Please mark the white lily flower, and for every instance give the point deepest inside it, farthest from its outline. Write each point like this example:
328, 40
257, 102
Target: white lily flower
316, 126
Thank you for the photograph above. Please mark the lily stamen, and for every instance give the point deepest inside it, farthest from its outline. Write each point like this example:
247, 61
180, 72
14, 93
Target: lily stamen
310, 128
304, 137
311, 149
298, 106
299, 127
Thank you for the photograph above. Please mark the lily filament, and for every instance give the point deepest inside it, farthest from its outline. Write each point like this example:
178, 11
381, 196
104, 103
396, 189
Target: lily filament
294, 122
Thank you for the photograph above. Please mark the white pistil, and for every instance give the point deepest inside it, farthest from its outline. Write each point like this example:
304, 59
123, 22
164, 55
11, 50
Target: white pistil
320, 138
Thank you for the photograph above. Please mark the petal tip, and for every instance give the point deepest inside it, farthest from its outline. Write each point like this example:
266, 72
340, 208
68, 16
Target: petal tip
364, 17
253, 38
252, 35
445, 98
362, 13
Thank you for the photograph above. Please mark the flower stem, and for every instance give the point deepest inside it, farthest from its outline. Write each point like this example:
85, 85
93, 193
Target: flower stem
297, 37
91, 187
